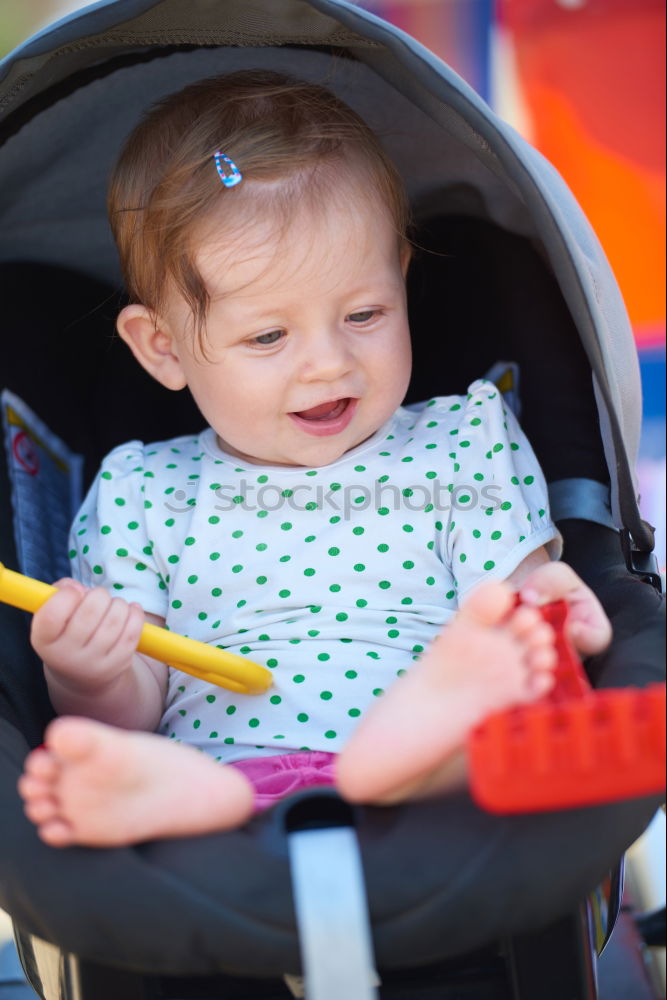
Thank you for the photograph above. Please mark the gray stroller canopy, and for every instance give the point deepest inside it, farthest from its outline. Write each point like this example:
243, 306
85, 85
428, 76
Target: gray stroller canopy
62, 120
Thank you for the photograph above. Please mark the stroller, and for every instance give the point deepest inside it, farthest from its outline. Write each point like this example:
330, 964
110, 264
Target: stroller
461, 903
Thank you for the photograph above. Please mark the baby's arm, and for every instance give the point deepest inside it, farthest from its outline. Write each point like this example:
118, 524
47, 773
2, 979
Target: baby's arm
88, 640
540, 581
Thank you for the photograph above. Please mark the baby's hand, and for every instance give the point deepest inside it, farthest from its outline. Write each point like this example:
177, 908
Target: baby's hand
86, 638
588, 626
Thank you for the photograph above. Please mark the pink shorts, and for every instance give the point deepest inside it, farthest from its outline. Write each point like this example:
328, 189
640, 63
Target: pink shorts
273, 778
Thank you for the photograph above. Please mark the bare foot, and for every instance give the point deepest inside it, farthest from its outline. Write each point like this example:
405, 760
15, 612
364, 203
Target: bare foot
490, 657
99, 786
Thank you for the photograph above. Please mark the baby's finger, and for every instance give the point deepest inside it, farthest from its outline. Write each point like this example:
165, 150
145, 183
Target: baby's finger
592, 637
68, 581
118, 629
550, 582
87, 617
52, 619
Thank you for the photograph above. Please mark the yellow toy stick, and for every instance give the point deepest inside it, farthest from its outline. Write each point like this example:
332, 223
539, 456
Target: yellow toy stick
209, 663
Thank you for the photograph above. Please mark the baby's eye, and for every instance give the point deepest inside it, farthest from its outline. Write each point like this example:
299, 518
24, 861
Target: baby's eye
267, 339
364, 316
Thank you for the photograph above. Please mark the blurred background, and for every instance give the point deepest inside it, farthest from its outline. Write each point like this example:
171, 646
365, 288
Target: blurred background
584, 81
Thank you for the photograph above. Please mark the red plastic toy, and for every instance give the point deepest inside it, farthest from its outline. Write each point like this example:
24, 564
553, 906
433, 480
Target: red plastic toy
574, 747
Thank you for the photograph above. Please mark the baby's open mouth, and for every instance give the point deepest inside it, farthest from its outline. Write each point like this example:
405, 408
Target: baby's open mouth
326, 419
324, 411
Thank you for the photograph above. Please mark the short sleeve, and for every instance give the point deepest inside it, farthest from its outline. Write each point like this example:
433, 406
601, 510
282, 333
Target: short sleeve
109, 542
499, 507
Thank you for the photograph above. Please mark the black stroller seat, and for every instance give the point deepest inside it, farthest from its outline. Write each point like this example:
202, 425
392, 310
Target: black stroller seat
458, 900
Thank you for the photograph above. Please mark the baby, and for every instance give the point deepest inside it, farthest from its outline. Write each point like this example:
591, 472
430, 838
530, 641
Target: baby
366, 553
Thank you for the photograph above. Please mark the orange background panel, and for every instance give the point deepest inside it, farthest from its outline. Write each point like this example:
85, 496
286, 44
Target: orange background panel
593, 78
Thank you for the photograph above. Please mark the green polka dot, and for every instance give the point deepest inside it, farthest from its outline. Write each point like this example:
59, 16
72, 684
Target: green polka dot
230, 710
360, 602
323, 657
330, 734
333, 551
275, 699
302, 717
354, 713
341, 616
177, 604
298, 678
351, 674
272, 662
384, 584
495, 535
326, 695
253, 723
408, 564
357, 531
309, 572
261, 580
193, 578
98, 570
286, 525
237, 568
383, 547
359, 568
489, 564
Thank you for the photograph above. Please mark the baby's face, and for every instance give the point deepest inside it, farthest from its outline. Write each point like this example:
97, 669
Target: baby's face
307, 339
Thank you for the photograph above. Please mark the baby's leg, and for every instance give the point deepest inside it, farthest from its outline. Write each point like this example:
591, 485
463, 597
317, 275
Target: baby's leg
490, 657
99, 786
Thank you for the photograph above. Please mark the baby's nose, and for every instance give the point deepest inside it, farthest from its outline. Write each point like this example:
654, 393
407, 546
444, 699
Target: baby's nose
328, 357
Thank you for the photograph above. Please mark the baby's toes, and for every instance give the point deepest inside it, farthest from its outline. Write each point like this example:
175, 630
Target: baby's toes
540, 682
56, 833
542, 636
33, 787
41, 810
523, 621
41, 764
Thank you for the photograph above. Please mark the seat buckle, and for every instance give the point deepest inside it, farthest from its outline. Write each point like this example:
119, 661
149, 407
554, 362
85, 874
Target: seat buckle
641, 563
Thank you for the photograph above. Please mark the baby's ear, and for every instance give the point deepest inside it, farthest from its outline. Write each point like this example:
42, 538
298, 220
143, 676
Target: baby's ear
406, 254
151, 344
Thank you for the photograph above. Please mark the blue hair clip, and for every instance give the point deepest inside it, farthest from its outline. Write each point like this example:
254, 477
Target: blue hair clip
231, 179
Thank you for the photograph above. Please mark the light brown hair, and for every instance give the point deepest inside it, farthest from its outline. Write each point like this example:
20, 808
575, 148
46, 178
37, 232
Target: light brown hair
165, 185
